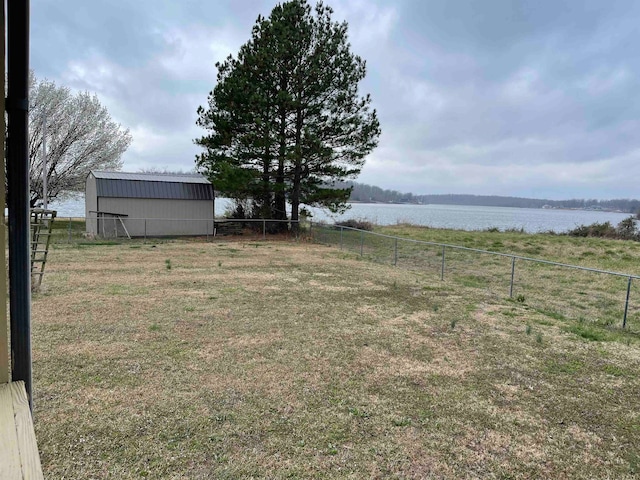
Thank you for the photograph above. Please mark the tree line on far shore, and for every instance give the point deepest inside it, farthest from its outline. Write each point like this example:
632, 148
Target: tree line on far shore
371, 194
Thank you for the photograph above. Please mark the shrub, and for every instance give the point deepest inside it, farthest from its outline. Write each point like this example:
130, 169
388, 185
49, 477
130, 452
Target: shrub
360, 224
625, 230
603, 230
238, 209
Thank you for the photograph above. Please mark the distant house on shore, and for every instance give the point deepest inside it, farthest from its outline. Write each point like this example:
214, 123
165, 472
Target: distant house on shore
148, 204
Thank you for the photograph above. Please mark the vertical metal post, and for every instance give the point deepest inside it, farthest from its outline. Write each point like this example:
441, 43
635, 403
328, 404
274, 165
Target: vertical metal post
18, 195
341, 234
45, 194
513, 271
145, 231
264, 229
361, 242
442, 268
207, 230
626, 304
395, 252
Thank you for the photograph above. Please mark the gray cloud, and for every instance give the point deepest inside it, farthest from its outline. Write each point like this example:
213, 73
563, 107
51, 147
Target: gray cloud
500, 97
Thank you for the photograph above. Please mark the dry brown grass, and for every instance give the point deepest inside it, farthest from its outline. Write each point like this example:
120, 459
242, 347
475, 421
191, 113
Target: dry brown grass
282, 360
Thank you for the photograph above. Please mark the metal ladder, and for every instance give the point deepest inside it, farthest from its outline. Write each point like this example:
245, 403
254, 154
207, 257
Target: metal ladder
41, 223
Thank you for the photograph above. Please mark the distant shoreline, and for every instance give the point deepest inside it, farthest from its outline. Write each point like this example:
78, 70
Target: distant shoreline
492, 206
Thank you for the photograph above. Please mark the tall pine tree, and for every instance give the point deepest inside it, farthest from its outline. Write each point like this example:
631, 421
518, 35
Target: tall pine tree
285, 120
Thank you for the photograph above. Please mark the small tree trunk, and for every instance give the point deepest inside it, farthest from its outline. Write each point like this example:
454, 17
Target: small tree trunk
297, 173
266, 207
280, 194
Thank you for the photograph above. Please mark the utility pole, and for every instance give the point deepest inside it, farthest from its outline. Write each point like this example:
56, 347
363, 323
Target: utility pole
45, 203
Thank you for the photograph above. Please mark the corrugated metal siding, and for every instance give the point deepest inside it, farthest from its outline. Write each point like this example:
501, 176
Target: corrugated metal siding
117, 188
162, 216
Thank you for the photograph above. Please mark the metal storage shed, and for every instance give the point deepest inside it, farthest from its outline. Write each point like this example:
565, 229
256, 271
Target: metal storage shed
148, 204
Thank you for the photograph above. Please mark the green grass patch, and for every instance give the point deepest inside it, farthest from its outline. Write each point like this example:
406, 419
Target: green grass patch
564, 366
473, 281
98, 243
590, 333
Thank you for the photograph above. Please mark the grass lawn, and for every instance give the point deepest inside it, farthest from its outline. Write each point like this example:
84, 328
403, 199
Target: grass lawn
594, 299
293, 360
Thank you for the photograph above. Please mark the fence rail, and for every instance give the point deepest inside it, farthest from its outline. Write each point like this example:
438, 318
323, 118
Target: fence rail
71, 229
559, 289
116, 226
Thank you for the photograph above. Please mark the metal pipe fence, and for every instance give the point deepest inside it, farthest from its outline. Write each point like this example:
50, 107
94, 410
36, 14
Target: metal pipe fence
557, 289
122, 228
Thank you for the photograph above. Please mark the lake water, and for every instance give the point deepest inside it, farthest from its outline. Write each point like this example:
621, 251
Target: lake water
439, 216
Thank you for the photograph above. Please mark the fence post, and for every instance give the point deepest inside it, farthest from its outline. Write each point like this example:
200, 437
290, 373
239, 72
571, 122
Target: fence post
341, 230
513, 271
264, 229
626, 304
361, 242
442, 270
145, 231
395, 252
69, 230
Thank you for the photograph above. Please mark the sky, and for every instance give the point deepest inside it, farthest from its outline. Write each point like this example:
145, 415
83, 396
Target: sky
488, 97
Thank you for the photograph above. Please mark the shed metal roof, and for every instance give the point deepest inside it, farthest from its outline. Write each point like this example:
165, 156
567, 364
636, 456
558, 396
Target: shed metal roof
153, 185
153, 177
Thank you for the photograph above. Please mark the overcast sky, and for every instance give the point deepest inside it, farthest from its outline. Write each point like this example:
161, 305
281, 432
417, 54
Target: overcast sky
531, 98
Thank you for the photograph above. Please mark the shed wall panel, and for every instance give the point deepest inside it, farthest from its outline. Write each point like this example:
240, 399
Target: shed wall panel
91, 205
163, 217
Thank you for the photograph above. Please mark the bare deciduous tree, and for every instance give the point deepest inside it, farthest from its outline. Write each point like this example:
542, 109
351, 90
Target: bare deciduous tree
80, 137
